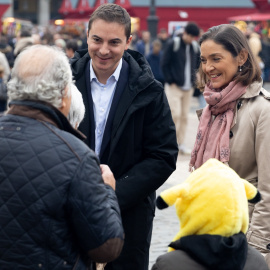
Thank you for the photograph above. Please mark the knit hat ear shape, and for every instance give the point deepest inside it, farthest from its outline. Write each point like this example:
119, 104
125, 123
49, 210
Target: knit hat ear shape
212, 200
169, 196
252, 193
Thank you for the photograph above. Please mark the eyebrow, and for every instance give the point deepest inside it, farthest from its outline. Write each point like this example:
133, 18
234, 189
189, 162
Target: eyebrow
213, 54
114, 39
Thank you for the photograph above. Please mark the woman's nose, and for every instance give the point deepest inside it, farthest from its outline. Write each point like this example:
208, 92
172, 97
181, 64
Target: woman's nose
209, 67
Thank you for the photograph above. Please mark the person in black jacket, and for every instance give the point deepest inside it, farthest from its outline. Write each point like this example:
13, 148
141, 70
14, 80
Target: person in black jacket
180, 60
56, 210
128, 123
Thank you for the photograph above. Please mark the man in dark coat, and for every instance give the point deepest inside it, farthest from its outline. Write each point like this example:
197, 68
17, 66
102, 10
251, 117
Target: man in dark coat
180, 60
56, 212
128, 123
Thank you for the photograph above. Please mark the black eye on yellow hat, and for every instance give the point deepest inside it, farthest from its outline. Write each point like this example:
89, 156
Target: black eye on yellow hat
212, 200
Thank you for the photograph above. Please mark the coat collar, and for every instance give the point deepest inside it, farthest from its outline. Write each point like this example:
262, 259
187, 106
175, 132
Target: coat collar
253, 90
215, 251
43, 112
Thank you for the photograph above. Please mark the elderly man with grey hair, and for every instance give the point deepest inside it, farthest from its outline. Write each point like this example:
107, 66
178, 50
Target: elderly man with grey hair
58, 208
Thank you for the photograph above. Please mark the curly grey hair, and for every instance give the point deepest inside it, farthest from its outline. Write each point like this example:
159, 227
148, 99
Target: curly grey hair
40, 73
77, 108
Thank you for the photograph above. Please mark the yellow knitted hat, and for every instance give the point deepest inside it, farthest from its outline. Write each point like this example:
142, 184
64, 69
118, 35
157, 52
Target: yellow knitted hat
212, 200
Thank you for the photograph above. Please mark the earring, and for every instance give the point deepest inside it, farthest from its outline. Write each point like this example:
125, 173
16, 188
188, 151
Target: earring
240, 68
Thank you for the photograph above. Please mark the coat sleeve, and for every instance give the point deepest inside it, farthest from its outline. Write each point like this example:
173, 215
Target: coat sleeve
94, 213
159, 159
166, 61
258, 234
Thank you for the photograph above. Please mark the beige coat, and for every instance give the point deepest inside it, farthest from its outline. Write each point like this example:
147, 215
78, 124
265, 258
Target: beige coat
250, 158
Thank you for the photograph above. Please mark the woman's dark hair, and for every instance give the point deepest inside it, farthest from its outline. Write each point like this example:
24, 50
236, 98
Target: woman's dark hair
112, 13
233, 41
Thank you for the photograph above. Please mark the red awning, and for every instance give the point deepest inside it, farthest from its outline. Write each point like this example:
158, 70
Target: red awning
83, 7
3, 9
251, 17
66, 7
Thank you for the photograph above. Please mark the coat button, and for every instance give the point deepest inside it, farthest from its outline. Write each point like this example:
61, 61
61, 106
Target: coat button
39, 265
231, 134
268, 246
239, 105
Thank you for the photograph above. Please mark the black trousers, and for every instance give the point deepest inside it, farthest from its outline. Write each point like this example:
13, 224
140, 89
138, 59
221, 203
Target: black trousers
138, 224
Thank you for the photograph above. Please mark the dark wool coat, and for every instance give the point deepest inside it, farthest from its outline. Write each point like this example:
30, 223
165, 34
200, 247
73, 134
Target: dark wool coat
173, 62
141, 151
55, 210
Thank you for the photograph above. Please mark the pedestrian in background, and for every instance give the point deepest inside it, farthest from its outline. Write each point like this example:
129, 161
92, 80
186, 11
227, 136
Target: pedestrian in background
163, 36
154, 60
56, 210
71, 47
179, 63
143, 44
128, 123
234, 126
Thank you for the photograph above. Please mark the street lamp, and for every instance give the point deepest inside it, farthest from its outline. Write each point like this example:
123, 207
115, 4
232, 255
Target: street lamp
152, 20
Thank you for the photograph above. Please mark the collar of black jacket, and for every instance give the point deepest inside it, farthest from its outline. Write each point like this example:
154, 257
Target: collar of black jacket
43, 111
214, 251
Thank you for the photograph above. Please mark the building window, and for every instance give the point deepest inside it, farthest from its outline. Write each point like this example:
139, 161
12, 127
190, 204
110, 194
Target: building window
16, 5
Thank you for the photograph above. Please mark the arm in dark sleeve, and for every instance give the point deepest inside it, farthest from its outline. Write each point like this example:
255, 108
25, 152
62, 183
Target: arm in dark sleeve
160, 154
166, 62
95, 213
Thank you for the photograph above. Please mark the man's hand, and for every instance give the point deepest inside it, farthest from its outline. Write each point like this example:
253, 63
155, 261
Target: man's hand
107, 176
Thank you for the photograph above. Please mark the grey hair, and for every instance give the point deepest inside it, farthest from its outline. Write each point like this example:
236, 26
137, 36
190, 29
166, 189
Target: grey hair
40, 73
77, 108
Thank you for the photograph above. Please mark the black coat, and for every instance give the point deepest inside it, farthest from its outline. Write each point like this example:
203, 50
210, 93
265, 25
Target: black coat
142, 151
54, 206
173, 62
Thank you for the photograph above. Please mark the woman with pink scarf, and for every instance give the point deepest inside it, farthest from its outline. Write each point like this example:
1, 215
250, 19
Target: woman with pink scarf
235, 125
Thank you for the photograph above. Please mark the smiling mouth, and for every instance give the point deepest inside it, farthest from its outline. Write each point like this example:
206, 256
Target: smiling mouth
214, 76
103, 59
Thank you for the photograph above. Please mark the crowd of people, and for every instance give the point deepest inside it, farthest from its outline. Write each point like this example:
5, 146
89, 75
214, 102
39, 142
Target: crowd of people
91, 128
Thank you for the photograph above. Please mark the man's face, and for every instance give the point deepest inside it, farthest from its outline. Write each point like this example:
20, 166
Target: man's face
187, 38
106, 44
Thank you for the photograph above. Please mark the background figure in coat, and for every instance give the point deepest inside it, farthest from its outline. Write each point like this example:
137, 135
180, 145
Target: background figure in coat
56, 210
212, 207
179, 64
234, 126
154, 59
128, 123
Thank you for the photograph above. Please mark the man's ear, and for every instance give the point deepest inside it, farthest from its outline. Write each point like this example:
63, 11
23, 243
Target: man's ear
242, 57
128, 42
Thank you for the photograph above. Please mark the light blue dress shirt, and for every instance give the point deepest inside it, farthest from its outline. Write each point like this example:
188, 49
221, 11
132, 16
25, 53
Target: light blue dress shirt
102, 95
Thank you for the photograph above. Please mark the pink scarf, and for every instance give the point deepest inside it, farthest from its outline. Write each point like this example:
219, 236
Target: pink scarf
212, 140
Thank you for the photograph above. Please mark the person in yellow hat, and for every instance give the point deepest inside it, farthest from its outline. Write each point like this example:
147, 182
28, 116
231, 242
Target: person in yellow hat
212, 206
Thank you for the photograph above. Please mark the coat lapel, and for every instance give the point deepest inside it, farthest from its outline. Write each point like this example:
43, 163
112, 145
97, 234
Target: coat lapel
120, 87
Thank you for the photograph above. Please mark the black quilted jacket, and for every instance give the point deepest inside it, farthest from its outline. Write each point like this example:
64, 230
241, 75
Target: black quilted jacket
55, 210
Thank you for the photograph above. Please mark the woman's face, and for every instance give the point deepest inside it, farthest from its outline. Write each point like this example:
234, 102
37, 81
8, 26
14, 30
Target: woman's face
218, 64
